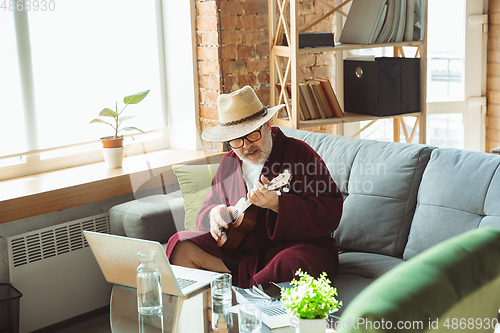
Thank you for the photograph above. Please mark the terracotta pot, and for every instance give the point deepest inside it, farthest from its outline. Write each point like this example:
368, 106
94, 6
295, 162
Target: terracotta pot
113, 151
111, 142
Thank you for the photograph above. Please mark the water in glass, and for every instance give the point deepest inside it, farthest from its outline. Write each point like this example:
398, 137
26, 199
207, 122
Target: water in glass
221, 302
149, 300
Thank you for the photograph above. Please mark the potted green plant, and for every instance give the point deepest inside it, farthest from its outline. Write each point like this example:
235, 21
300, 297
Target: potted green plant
310, 301
113, 145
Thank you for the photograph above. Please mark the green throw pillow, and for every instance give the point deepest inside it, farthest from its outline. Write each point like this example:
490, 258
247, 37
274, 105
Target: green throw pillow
194, 181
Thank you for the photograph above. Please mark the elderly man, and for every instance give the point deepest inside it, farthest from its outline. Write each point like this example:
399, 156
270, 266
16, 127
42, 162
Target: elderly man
292, 229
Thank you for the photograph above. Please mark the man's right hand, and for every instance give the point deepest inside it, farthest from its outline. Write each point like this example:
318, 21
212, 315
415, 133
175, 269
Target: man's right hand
219, 218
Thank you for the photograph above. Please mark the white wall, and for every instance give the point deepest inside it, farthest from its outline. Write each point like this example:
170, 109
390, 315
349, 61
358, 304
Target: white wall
62, 216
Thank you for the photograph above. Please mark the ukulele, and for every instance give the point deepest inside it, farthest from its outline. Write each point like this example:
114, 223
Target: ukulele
244, 215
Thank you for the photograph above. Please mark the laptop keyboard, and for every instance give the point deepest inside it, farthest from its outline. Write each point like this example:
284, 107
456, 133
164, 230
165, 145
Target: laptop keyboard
183, 283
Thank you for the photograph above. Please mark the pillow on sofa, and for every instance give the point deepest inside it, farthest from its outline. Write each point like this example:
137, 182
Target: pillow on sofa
194, 181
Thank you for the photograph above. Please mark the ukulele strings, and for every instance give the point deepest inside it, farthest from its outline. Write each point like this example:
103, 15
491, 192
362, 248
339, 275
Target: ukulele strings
236, 213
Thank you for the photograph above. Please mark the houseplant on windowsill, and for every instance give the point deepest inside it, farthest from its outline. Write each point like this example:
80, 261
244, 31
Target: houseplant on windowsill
310, 301
113, 145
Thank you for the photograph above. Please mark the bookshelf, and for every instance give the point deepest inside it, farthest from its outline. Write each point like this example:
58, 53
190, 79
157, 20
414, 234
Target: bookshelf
284, 68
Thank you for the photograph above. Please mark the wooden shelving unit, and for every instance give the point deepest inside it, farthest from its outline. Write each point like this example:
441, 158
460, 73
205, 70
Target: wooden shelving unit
283, 15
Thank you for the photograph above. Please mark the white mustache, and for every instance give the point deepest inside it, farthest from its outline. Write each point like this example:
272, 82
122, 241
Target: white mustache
251, 150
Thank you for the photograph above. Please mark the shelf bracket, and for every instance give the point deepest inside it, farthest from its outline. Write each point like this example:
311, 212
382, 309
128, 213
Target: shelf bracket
332, 7
304, 29
283, 81
364, 128
326, 4
409, 138
282, 22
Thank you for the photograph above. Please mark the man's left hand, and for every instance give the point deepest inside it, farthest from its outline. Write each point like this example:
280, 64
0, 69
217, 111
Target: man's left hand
262, 197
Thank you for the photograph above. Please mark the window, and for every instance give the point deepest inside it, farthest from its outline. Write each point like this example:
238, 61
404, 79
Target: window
446, 51
446, 73
11, 102
456, 77
61, 66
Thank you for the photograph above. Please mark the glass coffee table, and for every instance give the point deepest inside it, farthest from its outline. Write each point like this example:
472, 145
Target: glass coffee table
191, 314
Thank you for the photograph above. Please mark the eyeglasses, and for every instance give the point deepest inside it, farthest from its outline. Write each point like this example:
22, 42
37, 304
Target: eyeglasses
252, 137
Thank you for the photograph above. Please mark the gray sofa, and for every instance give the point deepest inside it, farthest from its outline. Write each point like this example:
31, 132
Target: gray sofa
399, 200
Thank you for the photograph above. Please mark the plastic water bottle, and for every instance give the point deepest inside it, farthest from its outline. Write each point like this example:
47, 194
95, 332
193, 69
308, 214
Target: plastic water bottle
149, 300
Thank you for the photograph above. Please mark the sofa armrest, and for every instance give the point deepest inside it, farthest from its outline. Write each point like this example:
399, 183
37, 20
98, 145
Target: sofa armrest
156, 217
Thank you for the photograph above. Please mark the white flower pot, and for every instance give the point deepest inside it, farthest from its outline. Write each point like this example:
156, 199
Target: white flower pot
310, 326
113, 157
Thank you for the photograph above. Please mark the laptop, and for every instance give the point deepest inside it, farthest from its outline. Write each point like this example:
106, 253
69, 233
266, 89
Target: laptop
118, 260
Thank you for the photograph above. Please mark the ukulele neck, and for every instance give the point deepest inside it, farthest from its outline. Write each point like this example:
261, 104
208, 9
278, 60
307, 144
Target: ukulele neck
245, 205
277, 183
240, 210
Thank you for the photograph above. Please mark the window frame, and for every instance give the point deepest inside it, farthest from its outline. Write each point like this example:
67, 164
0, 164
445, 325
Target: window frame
179, 105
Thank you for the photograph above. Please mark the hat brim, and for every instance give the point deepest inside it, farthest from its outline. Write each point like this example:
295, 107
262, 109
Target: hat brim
230, 132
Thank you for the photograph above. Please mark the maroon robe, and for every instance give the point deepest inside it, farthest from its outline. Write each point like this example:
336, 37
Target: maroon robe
298, 237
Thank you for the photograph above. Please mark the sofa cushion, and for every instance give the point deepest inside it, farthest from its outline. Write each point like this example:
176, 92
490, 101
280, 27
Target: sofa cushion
348, 287
383, 188
357, 270
460, 191
366, 265
337, 151
443, 278
194, 182
379, 181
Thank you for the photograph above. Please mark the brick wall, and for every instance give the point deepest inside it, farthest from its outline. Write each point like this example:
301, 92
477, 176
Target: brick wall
245, 48
209, 64
493, 77
233, 51
240, 56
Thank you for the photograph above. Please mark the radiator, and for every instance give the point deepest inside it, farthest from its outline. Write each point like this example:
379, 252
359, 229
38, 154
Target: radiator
57, 273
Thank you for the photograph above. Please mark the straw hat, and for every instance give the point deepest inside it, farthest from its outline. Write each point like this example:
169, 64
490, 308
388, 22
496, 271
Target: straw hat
240, 113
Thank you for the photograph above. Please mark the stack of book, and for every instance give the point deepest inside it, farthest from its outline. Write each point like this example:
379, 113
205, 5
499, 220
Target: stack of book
384, 21
317, 100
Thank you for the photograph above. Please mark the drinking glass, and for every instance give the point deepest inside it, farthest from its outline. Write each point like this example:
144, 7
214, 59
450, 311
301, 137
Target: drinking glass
221, 301
249, 318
